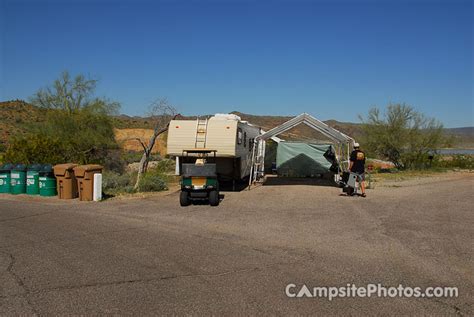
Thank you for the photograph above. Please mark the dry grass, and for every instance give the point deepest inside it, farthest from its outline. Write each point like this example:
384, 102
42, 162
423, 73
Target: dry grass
405, 175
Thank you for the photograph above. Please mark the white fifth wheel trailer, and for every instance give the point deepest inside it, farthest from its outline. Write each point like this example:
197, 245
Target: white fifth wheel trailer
227, 134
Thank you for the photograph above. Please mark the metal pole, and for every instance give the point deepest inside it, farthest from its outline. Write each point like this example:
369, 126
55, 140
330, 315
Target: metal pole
176, 169
252, 166
262, 158
348, 154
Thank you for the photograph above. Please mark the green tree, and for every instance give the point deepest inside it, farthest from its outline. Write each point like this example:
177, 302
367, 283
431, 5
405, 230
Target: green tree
72, 95
77, 126
36, 148
402, 135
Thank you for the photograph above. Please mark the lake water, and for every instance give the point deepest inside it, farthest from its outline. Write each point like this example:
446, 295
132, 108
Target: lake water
456, 151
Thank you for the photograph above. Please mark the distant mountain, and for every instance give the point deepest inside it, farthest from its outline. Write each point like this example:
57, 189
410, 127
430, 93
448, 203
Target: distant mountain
462, 137
468, 131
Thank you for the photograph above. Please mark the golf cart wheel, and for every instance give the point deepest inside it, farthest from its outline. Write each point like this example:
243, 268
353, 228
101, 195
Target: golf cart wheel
184, 199
214, 198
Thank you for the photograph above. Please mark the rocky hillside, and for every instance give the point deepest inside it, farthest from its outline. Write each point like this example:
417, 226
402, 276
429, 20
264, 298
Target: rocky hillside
127, 139
463, 137
302, 131
15, 116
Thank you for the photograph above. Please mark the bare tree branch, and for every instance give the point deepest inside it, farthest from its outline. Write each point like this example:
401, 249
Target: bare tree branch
141, 143
162, 112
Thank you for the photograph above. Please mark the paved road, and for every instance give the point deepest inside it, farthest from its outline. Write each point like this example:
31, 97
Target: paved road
149, 256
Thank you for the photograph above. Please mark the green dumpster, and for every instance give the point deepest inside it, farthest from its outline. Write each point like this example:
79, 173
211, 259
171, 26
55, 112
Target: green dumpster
18, 179
47, 181
32, 179
5, 178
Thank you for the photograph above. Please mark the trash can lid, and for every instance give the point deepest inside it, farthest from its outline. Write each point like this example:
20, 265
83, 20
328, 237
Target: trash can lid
6, 167
47, 168
34, 167
60, 169
82, 169
19, 167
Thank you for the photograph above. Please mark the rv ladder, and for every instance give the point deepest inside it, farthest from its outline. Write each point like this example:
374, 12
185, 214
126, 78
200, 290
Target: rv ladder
201, 133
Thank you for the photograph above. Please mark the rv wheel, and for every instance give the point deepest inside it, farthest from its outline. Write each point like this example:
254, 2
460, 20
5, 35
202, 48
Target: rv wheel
184, 199
214, 198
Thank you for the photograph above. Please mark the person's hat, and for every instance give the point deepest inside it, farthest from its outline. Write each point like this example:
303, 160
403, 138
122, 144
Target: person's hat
356, 145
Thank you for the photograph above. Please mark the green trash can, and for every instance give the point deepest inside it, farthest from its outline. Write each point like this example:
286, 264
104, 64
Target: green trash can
47, 181
5, 180
32, 179
18, 179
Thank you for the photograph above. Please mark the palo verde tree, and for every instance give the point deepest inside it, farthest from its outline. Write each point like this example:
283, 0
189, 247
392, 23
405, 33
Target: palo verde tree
66, 94
402, 135
161, 112
77, 127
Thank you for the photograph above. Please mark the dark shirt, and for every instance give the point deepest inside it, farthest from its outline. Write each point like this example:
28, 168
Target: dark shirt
358, 159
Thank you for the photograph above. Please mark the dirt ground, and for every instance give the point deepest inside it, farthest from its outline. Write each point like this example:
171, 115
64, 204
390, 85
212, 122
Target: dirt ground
147, 255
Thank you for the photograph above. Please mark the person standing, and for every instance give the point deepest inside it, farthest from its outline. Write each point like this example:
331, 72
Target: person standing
357, 165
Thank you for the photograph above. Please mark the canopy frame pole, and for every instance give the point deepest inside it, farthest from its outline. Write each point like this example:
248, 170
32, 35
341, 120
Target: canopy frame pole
252, 167
262, 158
348, 155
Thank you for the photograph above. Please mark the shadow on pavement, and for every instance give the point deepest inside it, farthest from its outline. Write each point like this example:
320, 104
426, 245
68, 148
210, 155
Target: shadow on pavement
200, 202
229, 186
273, 180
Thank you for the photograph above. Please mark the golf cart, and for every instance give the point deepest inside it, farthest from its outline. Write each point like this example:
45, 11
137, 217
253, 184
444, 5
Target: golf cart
199, 179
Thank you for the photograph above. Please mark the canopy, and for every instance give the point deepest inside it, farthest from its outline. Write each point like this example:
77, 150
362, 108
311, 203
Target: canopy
299, 159
339, 139
312, 122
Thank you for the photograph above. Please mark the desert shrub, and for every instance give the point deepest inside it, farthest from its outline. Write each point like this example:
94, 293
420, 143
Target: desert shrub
83, 137
115, 183
113, 161
157, 178
164, 167
152, 182
131, 157
401, 135
3, 148
457, 161
135, 157
35, 148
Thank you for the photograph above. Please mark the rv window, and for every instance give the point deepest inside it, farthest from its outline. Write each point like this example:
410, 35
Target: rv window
239, 136
245, 139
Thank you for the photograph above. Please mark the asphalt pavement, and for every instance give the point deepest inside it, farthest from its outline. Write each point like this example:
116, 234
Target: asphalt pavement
150, 256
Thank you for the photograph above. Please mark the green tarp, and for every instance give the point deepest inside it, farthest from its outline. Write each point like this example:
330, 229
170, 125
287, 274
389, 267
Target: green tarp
299, 159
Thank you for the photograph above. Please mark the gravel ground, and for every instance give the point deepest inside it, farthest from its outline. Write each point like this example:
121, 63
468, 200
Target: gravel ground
150, 256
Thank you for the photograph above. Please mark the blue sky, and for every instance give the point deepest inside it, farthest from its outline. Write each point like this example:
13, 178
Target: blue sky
333, 59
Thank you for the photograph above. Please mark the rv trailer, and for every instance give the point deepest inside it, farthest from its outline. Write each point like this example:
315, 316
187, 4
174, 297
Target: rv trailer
227, 134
